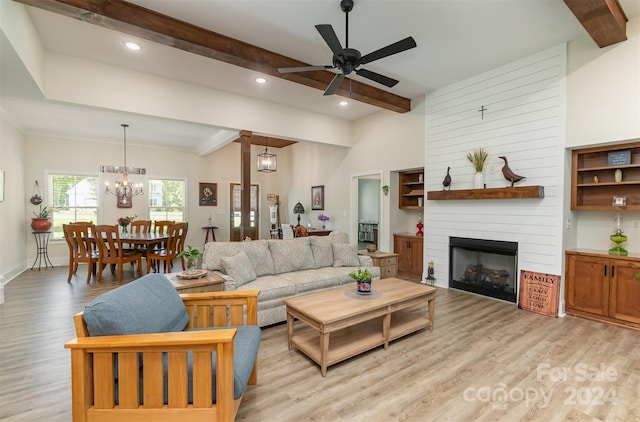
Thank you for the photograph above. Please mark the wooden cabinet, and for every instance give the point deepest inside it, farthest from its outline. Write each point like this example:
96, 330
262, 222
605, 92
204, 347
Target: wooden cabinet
602, 287
593, 177
388, 262
411, 189
409, 249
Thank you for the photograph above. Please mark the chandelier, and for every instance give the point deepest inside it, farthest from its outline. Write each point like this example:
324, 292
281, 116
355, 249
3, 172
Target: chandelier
124, 189
267, 163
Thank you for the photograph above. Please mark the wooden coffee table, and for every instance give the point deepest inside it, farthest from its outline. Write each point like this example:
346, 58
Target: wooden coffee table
345, 324
212, 282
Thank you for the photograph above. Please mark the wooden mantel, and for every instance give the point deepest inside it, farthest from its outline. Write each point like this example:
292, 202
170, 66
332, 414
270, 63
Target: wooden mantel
491, 193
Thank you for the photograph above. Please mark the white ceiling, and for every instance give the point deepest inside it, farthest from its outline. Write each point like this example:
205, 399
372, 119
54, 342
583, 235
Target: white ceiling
456, 39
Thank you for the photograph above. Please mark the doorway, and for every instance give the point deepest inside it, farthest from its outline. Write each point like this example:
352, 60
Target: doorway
367, 215
235, 204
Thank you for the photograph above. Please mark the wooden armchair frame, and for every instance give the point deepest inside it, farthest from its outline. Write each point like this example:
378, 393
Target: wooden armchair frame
92, 365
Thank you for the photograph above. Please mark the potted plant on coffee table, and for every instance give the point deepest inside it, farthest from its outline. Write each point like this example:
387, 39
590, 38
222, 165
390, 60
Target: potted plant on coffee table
41, 222
191, 256
363, 280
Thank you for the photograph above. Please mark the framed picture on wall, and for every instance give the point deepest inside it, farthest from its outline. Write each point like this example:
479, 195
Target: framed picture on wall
208, 193
317, 197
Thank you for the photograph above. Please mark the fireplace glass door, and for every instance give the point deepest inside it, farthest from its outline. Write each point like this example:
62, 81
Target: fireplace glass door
486, 267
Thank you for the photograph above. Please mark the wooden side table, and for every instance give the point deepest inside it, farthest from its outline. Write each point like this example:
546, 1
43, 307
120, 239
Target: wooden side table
209, 229
387, 261
212, 282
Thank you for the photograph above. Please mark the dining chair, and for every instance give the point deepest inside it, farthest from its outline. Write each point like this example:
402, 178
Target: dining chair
287, 231
81, 250
111, 251
162, 226
141, 226
173, 246
300, 231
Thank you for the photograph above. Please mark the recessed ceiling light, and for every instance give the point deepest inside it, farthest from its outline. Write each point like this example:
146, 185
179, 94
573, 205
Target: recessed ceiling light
343, 103
261, 80
133, 46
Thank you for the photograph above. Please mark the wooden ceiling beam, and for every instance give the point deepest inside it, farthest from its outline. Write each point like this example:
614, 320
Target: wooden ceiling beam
144, 23
604, 20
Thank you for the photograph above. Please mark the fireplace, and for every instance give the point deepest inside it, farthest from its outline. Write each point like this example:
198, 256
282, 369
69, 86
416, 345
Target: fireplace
486, 267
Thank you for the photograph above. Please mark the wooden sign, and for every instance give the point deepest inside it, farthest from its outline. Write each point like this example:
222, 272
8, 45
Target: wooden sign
539, 292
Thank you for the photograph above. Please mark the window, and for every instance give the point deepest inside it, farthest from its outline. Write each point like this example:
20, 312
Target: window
166, 200
71, 198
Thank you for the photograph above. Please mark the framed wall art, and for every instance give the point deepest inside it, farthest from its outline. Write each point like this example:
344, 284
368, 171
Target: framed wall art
208, 194
317, 197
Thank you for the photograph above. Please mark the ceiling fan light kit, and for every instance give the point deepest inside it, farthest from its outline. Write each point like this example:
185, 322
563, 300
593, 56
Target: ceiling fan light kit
349, 60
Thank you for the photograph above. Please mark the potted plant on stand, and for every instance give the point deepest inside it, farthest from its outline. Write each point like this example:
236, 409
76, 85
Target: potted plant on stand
41, 222
191, 256
363, 278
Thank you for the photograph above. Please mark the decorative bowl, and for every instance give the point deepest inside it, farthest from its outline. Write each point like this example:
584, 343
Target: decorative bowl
372, 248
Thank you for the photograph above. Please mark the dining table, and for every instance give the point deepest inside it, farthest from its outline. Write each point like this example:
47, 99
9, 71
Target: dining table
140, 239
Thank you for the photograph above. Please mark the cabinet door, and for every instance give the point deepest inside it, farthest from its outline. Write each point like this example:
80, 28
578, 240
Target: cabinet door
416, 256
400, 246
625, 292
588, 284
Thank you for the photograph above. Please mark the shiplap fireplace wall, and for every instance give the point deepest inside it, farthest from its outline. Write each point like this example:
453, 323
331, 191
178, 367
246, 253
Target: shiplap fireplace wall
518, 111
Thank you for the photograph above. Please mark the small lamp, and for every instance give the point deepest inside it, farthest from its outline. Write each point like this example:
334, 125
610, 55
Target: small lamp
298, 209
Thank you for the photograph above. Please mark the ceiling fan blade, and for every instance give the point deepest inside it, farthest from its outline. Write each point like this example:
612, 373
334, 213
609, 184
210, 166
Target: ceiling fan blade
394, 48
303, 68
335, 84
330, 37
376, 77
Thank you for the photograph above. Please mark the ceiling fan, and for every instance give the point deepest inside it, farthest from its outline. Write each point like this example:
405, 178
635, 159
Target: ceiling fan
349, 59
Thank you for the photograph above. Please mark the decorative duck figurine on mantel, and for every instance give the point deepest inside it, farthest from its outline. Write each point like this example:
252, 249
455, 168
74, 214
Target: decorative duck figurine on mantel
508, 173
446, 183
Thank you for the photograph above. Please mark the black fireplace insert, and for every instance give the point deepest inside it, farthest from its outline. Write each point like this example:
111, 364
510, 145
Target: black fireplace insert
486, 267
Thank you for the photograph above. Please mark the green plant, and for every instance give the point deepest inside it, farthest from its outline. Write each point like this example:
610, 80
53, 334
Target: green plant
477, 157
190, 254
361, 274
43, 213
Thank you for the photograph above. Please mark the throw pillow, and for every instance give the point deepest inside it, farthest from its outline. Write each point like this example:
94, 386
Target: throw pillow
345, 255
239, 268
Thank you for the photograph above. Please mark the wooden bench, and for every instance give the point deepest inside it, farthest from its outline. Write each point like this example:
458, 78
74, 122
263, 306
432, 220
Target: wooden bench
122, 377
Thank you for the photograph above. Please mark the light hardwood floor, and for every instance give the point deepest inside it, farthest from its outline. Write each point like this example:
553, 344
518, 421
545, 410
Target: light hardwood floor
485, 360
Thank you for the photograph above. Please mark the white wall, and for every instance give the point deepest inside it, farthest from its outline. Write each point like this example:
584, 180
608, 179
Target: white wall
603, 107
13, 209
524, 121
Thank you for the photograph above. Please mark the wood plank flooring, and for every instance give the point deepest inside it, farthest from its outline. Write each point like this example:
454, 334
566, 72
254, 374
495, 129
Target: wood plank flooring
484, 361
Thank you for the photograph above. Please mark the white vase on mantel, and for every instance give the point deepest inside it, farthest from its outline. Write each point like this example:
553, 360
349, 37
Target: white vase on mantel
478, 180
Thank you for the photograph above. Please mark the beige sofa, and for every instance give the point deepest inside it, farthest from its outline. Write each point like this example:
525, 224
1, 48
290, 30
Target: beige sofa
281, 269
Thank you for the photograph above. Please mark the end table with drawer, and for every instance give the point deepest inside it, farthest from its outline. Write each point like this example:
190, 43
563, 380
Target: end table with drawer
387, 261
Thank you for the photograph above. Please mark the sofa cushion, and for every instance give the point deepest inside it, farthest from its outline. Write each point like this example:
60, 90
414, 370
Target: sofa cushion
308, 281
345, 255
291, 255
149, 304
257, 251
239, 267
271, 287
321, 250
